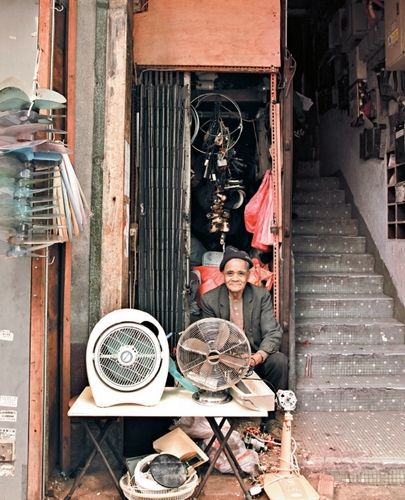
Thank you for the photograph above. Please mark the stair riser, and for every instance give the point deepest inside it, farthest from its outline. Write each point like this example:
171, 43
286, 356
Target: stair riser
320, 198
338, 284
358, 335
350, 308
307, 211
351, 399
317, 184
344, 227
308, 169
329, 244
350, 364
334, 263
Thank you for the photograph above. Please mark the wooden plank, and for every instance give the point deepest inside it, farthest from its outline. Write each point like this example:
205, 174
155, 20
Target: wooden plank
114, 244
199, 34
38, 305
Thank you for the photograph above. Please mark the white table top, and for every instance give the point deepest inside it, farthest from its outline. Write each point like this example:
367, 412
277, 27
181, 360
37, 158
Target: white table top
175, 402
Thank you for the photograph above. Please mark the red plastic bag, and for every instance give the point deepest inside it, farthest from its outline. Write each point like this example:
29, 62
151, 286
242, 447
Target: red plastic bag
252, 208
259, 215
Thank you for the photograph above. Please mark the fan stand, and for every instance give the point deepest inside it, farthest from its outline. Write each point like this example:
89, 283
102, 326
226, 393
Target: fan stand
286, 484
204, 397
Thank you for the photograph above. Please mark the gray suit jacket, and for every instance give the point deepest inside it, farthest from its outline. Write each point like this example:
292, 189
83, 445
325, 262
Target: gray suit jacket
260, 325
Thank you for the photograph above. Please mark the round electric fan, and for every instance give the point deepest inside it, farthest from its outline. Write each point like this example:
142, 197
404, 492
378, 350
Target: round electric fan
127, 359
214, 355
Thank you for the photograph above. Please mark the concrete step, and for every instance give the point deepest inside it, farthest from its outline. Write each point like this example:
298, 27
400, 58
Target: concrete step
327, 283
326, 226
307, 211
360, 331
308, 168
343, 306
359, 447
333, 262
317, 183
329, 244
330, 197
351, 393
347, 360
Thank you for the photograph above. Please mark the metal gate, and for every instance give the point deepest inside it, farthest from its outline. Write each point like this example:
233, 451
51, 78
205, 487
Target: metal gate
162, 163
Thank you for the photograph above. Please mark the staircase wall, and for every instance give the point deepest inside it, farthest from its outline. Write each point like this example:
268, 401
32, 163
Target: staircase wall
339, 151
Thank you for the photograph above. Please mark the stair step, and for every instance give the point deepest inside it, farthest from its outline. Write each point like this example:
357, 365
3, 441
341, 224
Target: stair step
308, 168
306, 210
350, 360
327, 283
329, 262
329, 244
351, 393
343, 306
317, 184
326, 226
349, 331
329, 197
358, 447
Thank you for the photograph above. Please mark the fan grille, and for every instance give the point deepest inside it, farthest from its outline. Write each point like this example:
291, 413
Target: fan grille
213, 354
127, 356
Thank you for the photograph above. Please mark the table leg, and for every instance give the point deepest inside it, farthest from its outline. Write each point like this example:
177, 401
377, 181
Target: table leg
97, 448
229, 453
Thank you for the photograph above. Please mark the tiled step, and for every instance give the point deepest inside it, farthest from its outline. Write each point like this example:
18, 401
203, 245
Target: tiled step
306, 211
331, 262
360, 331
317, 183
331, 197
329, 244
358, 447
326, 226
351, 393
308, 169
357, 283
347, 360
343, 306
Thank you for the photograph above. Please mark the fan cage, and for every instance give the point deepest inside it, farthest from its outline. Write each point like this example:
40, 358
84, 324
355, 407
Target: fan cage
127, 356
206, 370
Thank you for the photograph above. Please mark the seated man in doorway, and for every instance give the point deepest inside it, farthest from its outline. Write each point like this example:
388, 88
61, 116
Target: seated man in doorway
250, 308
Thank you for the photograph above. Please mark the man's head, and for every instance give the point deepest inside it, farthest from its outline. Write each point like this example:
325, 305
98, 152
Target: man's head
235, 266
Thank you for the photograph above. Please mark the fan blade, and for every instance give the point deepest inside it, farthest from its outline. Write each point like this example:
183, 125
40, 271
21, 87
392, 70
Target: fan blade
197, 346
233, 361
206, 369
223, 336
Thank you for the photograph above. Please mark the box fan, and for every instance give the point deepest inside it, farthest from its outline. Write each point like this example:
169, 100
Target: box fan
214, 355
127, 359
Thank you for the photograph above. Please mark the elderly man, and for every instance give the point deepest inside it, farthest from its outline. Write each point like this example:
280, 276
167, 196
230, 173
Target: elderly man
250, 308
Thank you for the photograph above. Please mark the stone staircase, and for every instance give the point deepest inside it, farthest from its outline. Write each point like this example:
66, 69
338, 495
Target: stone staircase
350, 360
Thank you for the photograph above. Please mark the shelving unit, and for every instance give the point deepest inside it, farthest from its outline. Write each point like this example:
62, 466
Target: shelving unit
395, 197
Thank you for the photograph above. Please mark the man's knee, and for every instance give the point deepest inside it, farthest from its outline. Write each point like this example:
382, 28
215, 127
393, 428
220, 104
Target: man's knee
275, 368
277, 361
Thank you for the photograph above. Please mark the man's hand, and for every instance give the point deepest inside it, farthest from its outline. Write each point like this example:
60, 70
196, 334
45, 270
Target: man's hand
255, 359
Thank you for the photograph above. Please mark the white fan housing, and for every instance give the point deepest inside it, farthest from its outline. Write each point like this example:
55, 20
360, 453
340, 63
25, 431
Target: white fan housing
127, 359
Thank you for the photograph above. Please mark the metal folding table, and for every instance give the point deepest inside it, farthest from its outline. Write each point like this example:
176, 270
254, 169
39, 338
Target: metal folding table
175, 402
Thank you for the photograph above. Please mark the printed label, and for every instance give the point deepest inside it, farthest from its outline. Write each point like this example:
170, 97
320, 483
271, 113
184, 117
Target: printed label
8, 401
6, 335
8, 416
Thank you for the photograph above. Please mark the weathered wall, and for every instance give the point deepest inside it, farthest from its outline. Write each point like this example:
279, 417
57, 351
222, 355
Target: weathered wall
18, 39
368, 184
84, 102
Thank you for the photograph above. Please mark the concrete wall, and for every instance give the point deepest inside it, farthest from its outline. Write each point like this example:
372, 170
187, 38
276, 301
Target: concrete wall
367, 181
84, 102
18, 39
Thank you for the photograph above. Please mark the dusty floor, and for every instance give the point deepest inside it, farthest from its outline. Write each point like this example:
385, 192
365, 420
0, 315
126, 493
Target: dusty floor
97, 484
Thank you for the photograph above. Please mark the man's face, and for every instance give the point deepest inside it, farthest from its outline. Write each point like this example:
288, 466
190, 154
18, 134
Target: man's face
236, 273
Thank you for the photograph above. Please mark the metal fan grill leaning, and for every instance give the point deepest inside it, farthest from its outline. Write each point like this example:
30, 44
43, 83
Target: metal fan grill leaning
214, 355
